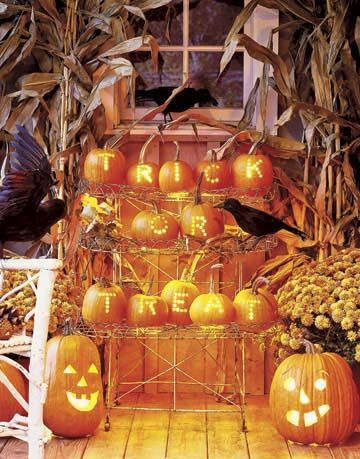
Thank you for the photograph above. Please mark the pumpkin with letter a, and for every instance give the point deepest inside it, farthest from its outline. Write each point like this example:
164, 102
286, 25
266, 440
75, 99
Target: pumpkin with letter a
104, 166
217, 174
176, 175
104, 302
256, 308
143, 173
313, 398
74, 403
253, 173
212, 308
9, 406
201, 219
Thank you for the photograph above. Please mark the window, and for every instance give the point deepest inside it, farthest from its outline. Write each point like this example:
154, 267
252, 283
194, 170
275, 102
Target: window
192, 47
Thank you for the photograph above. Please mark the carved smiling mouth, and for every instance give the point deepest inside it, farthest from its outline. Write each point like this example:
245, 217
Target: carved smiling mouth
310, 418
83, 403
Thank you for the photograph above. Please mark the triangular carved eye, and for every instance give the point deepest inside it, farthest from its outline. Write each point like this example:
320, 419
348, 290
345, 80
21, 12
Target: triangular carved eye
70, 370
93, 369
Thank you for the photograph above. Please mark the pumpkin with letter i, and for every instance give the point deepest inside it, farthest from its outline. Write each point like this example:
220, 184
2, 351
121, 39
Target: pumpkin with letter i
104, 166
313, 398
201, 219
212, 308
217, 174
104, 302
179, 295
143, 173
176, 175
9, 406
252, 173
74, 403
256, 308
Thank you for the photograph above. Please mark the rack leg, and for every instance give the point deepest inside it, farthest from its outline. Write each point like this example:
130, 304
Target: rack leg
108, 385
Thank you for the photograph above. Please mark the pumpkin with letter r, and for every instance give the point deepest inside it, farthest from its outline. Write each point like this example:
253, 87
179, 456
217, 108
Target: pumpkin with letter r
74, 403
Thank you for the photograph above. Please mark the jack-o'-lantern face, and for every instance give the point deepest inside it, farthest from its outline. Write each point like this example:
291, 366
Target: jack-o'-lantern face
80, 397
309, 414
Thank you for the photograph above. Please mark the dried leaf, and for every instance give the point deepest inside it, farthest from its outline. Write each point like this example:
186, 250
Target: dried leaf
290, 186
38, 84
50, 7
249, 108
3, 7
5, 29
297, 10
320, 197
320, 72
241, 20
22, 114
350, 179
145, 5
357, 32
5, 107
136, 11
79, 71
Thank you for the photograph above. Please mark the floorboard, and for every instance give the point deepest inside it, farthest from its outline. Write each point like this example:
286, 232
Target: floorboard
309, 452
351, 450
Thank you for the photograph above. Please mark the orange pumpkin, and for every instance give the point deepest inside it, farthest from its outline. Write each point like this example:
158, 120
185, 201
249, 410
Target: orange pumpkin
74, 403
154, 225
217, 174
313, 398
252, 173
201, 219
104, 166
104, 302
143, 173
179, 295
255, 307
145, 310
212, 308
176, 175
8, 404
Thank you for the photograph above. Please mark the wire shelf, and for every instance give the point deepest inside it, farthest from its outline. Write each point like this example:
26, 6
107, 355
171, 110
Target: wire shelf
101, 190
187, 245
121, 331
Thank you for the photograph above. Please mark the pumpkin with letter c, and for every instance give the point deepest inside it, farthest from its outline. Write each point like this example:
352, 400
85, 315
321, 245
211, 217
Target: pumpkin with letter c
313, 398
74, 403
9, 406
217, 174
252, 173
104, 166
176, 175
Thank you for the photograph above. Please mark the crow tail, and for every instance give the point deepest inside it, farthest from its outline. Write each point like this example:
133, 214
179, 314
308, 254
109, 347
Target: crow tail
296, 231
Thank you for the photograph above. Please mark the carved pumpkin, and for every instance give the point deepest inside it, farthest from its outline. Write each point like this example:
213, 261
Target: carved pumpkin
154, 225
179, 295
253, 174
201, 219
74, 403
176, 175
104, 166
313, 398
8, 404
217, 174
145, 310
255, 307
104, 302
143, 173
212, 308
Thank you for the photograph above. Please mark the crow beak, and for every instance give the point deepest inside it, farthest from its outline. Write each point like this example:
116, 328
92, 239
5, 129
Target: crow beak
53, 191
221, 205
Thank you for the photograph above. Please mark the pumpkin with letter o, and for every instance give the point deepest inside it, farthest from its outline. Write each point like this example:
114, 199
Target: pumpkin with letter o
74, 403
313, 398
9, 406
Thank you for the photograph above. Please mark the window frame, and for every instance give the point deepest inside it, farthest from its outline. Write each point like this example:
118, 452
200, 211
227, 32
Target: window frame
259, 25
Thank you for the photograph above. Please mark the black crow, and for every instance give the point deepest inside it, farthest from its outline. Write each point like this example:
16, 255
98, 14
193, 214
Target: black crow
185, 99
254, 221
23, 215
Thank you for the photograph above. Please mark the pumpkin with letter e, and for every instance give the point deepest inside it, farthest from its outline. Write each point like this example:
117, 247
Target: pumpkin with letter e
313, 398
74, 403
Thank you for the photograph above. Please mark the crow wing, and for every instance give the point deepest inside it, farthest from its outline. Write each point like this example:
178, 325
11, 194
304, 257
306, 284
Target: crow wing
29, 178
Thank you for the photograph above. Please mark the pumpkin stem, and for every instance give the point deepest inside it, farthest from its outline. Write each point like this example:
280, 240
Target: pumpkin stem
184, 274
255, 145
212, 281
258, 282
213, 156
67, 327
156, 207
177, 153
104, 282
144, 148
309, 346
197, 199
151, 281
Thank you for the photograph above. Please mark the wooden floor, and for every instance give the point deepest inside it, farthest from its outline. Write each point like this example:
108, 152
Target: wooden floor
139, 434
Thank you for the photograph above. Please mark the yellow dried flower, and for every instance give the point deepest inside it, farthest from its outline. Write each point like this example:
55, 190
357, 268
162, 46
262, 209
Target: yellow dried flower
322, 322
351, 335
285, 339
344, 295
347, 323
337, 315
294, 344
307, 319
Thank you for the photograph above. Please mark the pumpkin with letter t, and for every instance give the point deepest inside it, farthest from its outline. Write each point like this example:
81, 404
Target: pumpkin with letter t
74, 403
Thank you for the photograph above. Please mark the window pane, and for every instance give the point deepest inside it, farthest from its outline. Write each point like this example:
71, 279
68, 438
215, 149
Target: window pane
211, 20
166, 17
170, 72
228, 91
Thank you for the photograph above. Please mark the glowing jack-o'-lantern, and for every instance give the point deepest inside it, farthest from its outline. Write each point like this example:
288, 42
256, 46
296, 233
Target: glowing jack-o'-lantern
255, 307
143, 173
176, 175
104, 166
75, 391
154, 225
313, 398
104, 302
212, 308
253, 173
201, 219
8, 404
217, 174
179, 295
